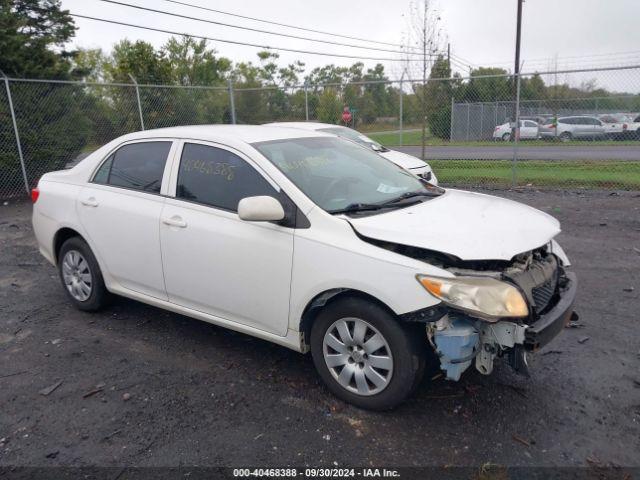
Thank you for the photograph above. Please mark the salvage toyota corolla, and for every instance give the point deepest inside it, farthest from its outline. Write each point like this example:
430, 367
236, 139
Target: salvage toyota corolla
312, 242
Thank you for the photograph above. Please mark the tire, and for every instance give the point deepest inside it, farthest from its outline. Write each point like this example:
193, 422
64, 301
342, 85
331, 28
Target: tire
506, 137
565, 137
81, 276
399, 360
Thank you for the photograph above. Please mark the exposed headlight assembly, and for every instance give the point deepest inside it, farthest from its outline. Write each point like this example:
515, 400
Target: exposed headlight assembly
484, 297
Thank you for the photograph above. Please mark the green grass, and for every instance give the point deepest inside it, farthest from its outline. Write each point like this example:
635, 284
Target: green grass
541, 173
414, 137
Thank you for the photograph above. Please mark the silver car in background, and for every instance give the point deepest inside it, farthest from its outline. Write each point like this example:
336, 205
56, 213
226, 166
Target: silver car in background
574, 127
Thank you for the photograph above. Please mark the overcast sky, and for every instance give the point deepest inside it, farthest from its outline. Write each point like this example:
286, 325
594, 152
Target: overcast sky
581, 33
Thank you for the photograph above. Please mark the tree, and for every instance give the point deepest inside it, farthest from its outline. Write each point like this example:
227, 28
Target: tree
32, 38
192, 63
438, 94
488, 85
424, 38
53, 126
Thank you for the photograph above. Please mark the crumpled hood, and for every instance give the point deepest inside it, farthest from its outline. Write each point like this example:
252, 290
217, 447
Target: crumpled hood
471, 226
403, 160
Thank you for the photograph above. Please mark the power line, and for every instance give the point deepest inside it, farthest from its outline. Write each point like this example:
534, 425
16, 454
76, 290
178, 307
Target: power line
258, 30
284, 24
235, 42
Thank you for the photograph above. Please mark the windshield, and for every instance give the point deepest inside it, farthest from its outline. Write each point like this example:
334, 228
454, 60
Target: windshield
340, 175
354, 136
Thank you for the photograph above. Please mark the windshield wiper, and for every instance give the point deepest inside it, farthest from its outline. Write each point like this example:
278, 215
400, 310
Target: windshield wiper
407, 195
359, 207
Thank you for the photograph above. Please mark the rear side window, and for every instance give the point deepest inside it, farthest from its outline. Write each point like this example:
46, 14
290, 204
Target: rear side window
218, 178
137, 166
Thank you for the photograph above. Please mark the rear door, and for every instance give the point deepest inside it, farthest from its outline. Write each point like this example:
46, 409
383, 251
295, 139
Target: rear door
214, 262
120, 211
583, 127
529, 129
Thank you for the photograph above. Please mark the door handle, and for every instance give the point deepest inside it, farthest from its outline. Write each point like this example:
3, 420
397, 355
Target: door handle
89, 202
175, 221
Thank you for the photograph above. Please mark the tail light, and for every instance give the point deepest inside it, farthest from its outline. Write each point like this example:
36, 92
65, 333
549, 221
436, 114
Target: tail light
624, 126
35, 193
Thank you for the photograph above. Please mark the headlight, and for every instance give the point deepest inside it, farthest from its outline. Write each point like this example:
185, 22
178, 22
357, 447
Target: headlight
485, 297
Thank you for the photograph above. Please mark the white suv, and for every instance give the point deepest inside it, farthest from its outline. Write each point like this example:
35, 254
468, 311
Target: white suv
312, 242
577, 127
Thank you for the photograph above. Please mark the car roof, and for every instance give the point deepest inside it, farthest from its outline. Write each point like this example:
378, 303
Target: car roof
224, 133
309, 126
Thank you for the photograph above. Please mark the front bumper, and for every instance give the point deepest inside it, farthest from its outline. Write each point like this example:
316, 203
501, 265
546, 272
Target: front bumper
549, 325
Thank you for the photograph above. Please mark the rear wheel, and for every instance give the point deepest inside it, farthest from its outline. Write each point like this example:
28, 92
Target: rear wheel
364, 355
565, 137
506, 137
81, 275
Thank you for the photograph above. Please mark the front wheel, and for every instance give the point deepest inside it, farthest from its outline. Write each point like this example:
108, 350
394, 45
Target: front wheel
365, 356
81, 275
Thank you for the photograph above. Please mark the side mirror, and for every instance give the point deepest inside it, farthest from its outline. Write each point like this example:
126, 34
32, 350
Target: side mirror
260, 209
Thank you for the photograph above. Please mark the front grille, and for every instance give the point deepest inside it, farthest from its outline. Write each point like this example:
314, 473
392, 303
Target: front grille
543, 293
538, 282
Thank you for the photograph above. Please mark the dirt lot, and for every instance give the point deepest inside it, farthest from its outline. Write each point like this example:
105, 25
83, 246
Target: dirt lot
201, 395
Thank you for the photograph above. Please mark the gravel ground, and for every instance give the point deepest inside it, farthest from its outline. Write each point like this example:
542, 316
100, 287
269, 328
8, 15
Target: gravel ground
144, 387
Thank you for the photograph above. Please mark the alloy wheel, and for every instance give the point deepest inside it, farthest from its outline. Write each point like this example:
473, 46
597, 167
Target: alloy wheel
77, 275
358, 356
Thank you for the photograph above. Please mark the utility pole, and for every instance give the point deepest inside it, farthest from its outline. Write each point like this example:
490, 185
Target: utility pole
449, 55
515, 131
518, 32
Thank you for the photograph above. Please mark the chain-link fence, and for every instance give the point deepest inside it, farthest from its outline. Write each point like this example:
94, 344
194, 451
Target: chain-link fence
578, 128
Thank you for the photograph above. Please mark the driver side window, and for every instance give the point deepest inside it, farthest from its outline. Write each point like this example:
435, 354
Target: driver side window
218, 178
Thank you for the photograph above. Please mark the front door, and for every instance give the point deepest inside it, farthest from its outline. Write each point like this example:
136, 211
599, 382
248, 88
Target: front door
213, 261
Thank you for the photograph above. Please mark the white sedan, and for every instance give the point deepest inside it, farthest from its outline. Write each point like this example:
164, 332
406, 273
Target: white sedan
312, 242
414, 165
528, 131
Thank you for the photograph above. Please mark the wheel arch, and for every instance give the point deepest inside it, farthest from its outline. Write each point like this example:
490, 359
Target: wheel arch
323, 299
61, 236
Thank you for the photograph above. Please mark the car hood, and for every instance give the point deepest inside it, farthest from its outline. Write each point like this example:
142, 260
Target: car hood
470, 226
403, 160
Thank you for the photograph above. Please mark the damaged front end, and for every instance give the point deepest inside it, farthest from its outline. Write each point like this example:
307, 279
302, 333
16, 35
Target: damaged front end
534, 294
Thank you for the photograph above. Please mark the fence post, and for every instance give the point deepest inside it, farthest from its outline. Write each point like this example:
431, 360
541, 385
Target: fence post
514, 163
401, 112
468, 119
451, 120
306, 101
232, 103
138, 97
481, 121
15, 131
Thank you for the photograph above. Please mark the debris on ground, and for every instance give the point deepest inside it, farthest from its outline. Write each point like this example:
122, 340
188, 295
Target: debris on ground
574, 324
521, 440
628, 289
583, 339
47, 390
98, 388
552, 352
126, 396
53, 454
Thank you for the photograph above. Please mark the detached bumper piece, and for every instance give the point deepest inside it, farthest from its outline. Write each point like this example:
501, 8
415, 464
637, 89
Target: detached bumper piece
550, 324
